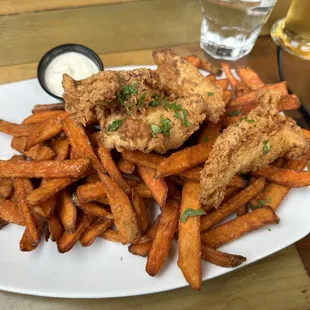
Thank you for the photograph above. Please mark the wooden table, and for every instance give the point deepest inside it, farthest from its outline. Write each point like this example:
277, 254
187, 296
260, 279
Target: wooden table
124, 32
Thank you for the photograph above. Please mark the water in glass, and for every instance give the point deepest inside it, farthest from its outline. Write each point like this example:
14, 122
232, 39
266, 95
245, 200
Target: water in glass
230, 27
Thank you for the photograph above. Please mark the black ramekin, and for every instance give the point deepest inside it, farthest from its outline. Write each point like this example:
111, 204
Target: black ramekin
61, 49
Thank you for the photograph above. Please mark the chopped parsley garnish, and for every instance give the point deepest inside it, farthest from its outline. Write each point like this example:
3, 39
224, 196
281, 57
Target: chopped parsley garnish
141, 100
154, 103
250, 121
234, 113
126, 92
260, 204
164, 129
267, 146
155, 130
210, 94
115, 125
177, 108
269, 229
185, 121
191, 212
165, 126
206, 139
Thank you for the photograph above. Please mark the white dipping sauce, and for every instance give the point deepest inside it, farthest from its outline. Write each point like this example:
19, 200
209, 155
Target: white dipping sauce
75, 64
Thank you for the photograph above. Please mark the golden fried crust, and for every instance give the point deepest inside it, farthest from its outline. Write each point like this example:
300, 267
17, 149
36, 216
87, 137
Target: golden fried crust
99, 92
81, 97
181, 78
135, 133
241, 147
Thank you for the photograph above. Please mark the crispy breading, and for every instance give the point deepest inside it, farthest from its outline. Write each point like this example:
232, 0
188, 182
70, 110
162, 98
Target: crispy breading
181, 78
102, 92
136, 134
257, 140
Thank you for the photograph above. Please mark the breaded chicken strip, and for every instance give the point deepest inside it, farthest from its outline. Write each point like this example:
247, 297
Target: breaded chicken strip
157, 129
257, 140
181, 78
106, 91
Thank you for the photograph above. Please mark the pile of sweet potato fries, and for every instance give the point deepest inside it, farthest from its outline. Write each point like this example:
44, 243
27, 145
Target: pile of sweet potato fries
67, 187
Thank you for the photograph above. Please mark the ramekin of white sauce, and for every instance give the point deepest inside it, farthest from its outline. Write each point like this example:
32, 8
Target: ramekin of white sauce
76, 60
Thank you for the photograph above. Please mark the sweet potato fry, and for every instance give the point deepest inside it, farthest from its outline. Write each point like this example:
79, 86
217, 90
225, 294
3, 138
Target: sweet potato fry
67, 240
80, 143
25, 245
38, 108
242, 210
157, 186
22, 188
6, 187
125, 166
49, 189
243, 197
194, 60
306, 134
125, 218
250, 78
208, 66
288, 102
111, 168
143, 190
45, 209
227, 96
66, 211
16, 130
3, 223
41, 117
273, 193
220, 258
140, 209
223, 83
55, 228
144, 159
232, 80
94, 138
95, 230
112, 235
61, 148
96, 210
281, 87
191, 174
38, 152
238, 181
211, 78
209, 133
184, 159
91, 192
282, 176
238, 227
73, 168
143, 246
46, 130
189, 260
10, 212
163, 237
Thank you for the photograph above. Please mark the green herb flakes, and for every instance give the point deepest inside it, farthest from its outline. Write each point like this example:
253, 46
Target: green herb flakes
210, 94
234, 113
115, 125
191, 212
267, 147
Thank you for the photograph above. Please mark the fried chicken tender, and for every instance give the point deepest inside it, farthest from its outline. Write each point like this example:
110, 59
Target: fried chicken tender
181, 78
107, 91
257, 140
135, 132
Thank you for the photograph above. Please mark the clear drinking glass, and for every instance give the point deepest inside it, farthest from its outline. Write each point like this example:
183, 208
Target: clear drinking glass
230, 27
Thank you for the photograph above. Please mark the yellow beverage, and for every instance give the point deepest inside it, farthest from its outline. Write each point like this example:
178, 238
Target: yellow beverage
293, 32
298, 18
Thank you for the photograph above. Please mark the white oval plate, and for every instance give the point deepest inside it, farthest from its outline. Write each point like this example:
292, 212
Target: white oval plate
107, 269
